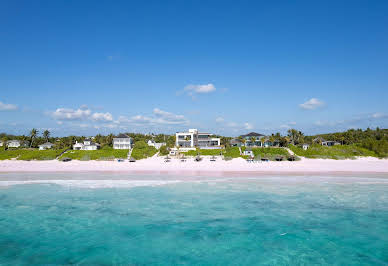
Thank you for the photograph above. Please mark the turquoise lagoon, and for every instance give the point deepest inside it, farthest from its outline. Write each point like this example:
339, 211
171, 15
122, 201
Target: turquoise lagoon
113, 219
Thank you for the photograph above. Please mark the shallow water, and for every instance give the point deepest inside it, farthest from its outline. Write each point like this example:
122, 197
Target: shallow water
167, 220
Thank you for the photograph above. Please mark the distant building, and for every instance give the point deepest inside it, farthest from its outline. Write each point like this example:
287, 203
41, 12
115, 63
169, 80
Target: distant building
249, 153
330, 143
1, 143
155, 144
193, 138
305, 146
17, 143
46, 146
122, 142
236, 142
257, 140
88, 145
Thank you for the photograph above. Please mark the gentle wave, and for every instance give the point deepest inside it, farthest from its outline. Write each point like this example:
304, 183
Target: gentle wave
94, 183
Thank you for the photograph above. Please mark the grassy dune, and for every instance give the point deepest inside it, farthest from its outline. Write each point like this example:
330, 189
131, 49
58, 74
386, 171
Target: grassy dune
335, 152
29, 154
105, 154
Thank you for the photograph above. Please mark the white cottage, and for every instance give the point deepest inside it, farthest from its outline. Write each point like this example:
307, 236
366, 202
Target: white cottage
46, 146
88, 145
17, 143
155, 144
122, 142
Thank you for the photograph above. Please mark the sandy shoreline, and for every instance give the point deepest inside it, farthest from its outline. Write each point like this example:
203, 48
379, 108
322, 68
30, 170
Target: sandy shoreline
156, 165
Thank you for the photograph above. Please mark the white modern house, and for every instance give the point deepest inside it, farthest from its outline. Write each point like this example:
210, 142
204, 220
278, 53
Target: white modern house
157, 145
193, 138
1, 143
88, 145
122, 142
46, 146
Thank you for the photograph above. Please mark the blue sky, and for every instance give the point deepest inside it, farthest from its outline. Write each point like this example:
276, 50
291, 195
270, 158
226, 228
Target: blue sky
228, 67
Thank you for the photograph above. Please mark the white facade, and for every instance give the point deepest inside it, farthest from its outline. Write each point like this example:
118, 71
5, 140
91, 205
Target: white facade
193, 138
88, 145
305, 146
46, 146
13, 144
155, 144
122, 142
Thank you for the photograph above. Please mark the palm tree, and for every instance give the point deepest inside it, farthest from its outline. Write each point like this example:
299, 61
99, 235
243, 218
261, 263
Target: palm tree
109, 139
253, 141
5, 140
33, 134
46, 135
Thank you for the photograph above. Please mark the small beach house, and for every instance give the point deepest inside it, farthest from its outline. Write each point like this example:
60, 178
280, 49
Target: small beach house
330, 143
193, 138
305, 146
157, 145
122, 142
17, 143
46, 146
88, 145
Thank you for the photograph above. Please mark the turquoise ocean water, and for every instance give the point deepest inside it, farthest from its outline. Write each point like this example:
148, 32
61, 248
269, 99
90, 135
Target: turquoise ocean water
165, 220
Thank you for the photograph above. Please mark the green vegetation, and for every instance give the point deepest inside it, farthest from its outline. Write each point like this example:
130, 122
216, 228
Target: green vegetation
205, 152
380, 147
163, 151
105, 154
335, 152
9, 154
141, 150
232, 152
270, 153
29, 154
39, 155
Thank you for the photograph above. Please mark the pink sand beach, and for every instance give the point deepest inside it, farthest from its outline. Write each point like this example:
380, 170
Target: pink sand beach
235, 166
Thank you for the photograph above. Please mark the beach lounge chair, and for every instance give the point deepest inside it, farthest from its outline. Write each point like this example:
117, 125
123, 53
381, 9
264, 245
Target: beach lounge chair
66, 159
279, 158
132, 160
198, 158
167, 159
213, 159
183, 159
264, 159
291, 158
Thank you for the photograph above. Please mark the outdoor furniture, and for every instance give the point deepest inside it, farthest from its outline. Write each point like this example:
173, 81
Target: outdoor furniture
279, 158
183, 159
198, 158
264, 159
132, 160
291, 158
66, 159
167, 159
213, 159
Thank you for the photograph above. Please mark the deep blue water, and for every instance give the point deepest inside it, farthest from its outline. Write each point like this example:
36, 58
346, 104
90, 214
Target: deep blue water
211, 222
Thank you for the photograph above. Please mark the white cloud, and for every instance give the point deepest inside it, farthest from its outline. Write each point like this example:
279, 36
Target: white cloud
104, 117
8, 107
159, 117
163, 117
220, 119
71, 114
288, 125
248, 126
379, 115
193, 89
312, 104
